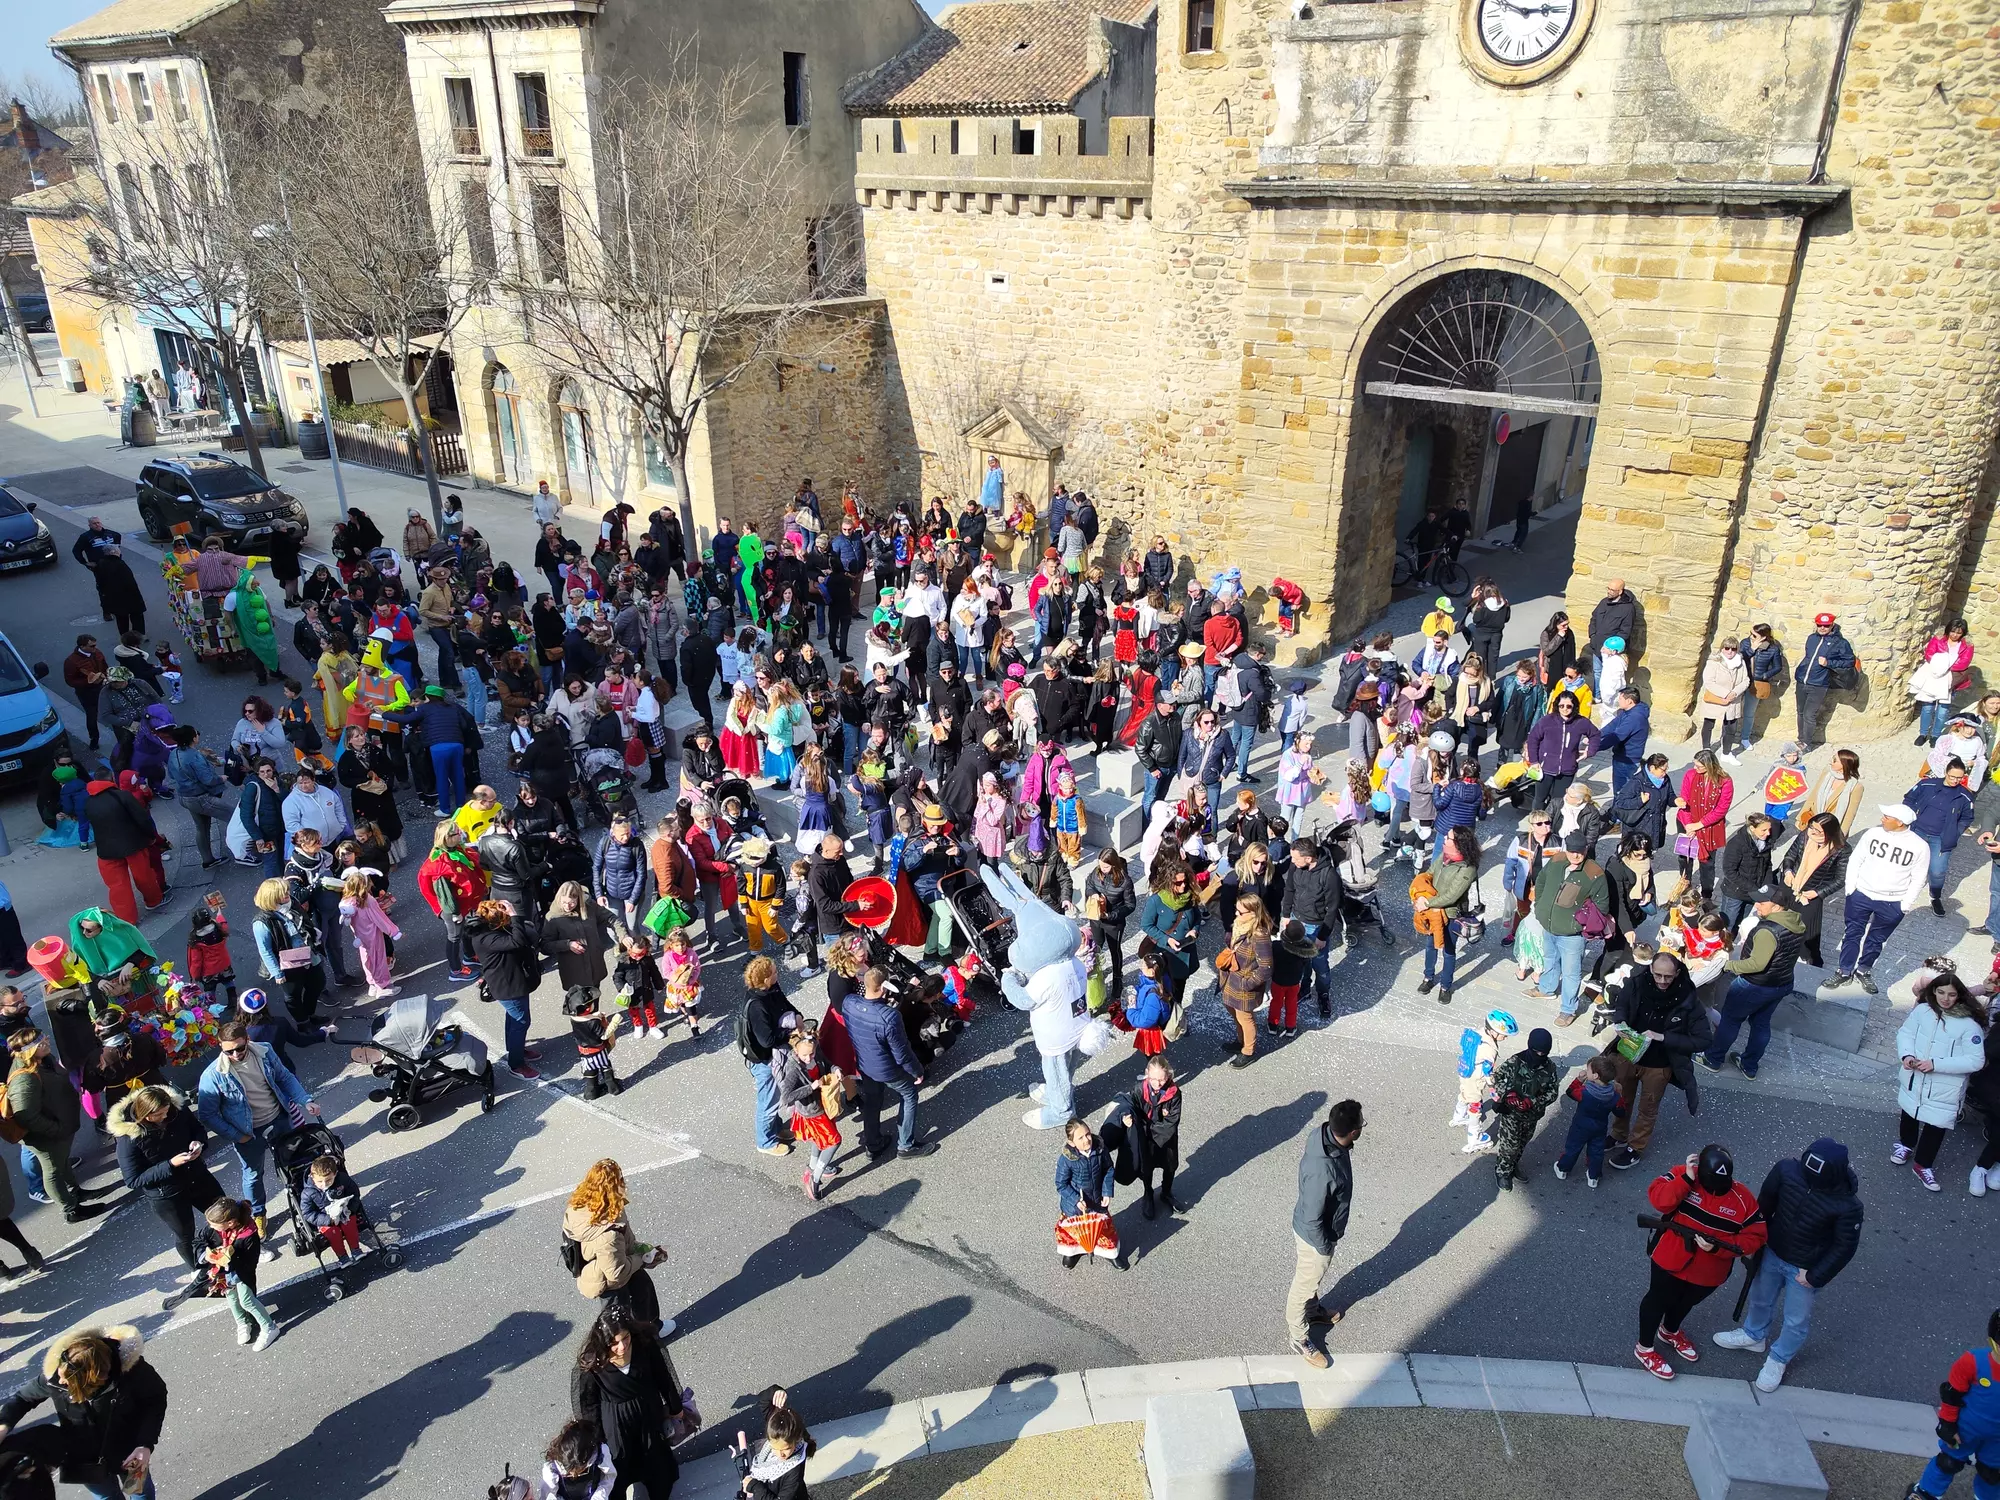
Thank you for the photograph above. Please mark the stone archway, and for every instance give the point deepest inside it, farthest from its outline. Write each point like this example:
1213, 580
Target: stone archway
1441, 366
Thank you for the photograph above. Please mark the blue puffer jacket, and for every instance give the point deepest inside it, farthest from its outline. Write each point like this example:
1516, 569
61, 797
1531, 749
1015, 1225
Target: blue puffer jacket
1458, 805
881, 1045
1943, 812
619, 872
1148, 1007
1080, 1180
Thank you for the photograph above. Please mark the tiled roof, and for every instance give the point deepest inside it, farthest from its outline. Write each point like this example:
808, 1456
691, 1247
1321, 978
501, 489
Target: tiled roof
996, 57
64, 199
138, 18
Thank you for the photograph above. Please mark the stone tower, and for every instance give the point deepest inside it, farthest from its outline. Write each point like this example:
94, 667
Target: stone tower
1872, 478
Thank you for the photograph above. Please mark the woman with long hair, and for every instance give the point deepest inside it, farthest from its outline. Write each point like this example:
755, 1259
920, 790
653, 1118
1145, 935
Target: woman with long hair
1838, 792
1815, 867
612, 1261
1453, 875
1555, 652
625, 1384
510, 966
1701, 815
1243, 970
741, 751
781, 727
1942, 1044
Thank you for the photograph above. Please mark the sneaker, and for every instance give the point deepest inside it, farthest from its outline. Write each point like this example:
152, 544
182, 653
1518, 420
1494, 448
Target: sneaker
1311, 1353
812, 1189
463, 974
1035, 1093
1653, 1362
1868, 984
245, 1332
40, 1198
1561, 1174
782, 1148
1928, 1178
1993, 1179
1472, 1148
1425, 986
1770, 1377
1701, 1061
1444, 995
531, 1054
922, 1148
1034, 1121
1748, 1070
1588, 1180
524, 1069
1977, 1185
1898, 1154
1730, 758
1623, 1158
1937, 906
1736, 1338
264, 1341
1837, 981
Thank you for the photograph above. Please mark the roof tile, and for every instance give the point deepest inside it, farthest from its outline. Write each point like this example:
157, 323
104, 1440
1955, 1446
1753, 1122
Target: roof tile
996, 57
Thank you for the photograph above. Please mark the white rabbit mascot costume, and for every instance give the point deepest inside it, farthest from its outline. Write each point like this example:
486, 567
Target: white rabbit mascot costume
1045, 978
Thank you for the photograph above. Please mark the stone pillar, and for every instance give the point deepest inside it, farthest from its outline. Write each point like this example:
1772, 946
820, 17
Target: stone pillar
1882, 419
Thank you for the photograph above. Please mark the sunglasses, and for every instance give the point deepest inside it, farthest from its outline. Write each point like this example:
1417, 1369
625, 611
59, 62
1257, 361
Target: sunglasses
233, 1053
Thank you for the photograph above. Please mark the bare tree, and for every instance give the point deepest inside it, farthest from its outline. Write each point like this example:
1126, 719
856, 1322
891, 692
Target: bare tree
693, 258
343, 192
169, 238
49, 94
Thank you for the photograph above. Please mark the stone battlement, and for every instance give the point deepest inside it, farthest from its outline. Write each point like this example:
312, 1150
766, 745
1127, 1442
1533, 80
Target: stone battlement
994, 177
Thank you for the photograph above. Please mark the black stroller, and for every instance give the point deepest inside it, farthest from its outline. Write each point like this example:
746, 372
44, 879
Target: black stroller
425, 1049
931, 1023
607, 787
988, 926
1360, 892
294, 1155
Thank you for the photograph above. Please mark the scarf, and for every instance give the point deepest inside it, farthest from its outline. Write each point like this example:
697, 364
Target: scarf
768, 1467
1174, 902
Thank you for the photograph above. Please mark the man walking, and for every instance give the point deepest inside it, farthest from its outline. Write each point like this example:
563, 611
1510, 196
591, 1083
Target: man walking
888, 1065
1813, 1206
1561, 889
1888, 875
1319, 1219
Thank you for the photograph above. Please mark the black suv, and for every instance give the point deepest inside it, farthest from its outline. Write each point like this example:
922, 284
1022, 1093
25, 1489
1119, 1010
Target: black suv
215, 496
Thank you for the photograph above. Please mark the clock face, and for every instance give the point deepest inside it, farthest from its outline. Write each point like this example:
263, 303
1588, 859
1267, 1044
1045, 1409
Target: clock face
1519, 32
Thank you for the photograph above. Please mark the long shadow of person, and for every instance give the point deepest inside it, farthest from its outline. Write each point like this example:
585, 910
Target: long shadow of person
371, 1435
1419, 1237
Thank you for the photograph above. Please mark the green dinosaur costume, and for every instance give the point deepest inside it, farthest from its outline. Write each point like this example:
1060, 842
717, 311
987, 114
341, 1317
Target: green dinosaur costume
253, 620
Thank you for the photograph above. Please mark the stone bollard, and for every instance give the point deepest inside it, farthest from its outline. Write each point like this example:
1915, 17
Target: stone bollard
1195, 1448
1751, 1453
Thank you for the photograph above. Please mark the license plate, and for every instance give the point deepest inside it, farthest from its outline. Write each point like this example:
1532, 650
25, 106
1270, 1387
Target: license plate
256, 531
11, 765
18, 562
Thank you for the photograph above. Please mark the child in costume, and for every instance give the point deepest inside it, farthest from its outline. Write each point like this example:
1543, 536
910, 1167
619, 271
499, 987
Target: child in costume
760, 887
680, 969
208, 962
1613, 670
639, 984
801, 944
1785, 787
593, 1034
1067, 819
797, 1068
989, 819
1083, 1199
169, 672
1478, 1055
362, 912
1148, 1008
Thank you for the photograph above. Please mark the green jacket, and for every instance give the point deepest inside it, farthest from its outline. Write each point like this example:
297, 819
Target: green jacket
1559, 891
1453, 880
44, 1104
1525, 1085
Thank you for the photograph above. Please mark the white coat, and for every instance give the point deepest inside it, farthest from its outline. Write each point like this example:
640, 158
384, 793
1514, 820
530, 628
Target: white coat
1725, 679
1956, 1049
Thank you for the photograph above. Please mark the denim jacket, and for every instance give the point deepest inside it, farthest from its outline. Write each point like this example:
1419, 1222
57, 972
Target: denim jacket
219, 1097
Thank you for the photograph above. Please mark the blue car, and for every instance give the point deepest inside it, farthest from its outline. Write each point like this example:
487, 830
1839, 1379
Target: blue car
31, 731
24, 541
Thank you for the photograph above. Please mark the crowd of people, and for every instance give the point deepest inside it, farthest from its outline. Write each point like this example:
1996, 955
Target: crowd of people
829, 812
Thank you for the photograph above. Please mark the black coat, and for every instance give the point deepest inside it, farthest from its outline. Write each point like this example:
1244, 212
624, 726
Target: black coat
631, 1409
511, 871
1643, 808
509, 967
117, 589
121, 823
1675, 1013
826, 886
146, 1153
1743, 866
1815, 1216
128, 1413
546, 761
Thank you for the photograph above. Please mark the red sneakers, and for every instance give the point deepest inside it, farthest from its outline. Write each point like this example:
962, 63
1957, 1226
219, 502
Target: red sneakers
1681, 1344
1654, 1362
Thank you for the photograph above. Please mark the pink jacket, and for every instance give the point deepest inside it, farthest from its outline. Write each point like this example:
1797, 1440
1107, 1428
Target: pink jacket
1961, 662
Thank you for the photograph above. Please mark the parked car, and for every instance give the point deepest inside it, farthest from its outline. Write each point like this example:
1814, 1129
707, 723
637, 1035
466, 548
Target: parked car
31, 731
24, 541
216, 496
34, 310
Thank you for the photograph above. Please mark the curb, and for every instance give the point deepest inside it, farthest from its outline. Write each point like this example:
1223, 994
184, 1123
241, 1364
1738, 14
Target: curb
1280, 1382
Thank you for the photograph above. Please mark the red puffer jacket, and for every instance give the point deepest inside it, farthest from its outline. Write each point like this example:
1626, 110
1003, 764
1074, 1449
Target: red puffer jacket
1732, 1221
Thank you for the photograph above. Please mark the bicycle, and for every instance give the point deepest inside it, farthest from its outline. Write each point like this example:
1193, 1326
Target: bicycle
1440, 570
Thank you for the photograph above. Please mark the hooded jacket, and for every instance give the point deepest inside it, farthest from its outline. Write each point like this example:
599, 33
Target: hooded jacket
145, 1157
1326, 1191
1556, 744
1814, 1207
1677, 1014
128, 1413
121, 823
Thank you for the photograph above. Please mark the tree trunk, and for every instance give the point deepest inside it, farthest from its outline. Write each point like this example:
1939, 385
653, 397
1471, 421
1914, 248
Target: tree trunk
677, 462
232, 382
409, 395
19, 325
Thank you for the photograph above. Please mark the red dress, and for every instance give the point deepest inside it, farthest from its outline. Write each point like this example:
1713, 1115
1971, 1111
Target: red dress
1705, 800
1145, 687
1125, 643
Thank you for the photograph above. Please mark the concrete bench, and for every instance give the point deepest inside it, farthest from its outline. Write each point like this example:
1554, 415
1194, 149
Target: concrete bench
1195, 1448
1834, 1020
678, 720
1113, 822
1118, 771
1751, 1453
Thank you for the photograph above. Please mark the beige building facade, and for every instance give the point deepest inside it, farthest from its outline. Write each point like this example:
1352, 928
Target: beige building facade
1721, 273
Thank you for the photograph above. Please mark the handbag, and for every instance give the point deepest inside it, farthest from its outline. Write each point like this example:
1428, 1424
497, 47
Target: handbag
295, 958
1760, 688
1591, 920
635, 752
1687, 846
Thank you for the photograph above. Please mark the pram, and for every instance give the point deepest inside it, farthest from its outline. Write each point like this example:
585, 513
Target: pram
987, 925
607, 786
1360, 893
386, 561
425, 1049
932, 1024
294, 1155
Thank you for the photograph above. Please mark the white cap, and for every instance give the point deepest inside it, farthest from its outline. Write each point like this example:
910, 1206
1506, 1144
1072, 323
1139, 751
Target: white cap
1902, 812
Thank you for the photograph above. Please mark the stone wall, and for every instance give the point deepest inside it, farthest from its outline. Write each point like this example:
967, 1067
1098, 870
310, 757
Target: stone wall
1877, 454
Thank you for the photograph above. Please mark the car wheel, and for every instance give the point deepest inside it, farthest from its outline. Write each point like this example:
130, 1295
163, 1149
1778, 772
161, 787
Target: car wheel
156, 529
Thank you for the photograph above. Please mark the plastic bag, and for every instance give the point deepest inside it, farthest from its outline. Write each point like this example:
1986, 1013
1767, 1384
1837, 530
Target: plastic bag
1531, 944
666, 914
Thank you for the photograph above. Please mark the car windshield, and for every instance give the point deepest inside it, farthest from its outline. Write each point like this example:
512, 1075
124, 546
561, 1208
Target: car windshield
9, 506
227, 483
14, 674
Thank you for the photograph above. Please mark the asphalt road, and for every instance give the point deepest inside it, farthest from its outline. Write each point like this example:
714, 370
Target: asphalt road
916, 1278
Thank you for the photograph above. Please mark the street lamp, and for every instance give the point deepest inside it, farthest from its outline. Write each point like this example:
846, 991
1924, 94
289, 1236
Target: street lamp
265, 232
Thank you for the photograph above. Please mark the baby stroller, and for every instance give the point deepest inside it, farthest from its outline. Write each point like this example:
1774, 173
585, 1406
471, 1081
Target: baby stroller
425, 1049
294, 1155
988, 926
387, 562
932, 1024
607, 787
1360, 895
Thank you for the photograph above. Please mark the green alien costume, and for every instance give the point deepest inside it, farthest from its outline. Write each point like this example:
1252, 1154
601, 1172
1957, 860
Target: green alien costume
750, 548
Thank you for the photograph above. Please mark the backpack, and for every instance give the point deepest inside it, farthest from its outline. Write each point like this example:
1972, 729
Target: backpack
571, 1253
743, 1032
1229, 689
11, 1130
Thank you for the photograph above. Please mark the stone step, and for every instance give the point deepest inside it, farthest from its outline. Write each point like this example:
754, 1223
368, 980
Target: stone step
1195, 1448
1750, 1453
1834, 1019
